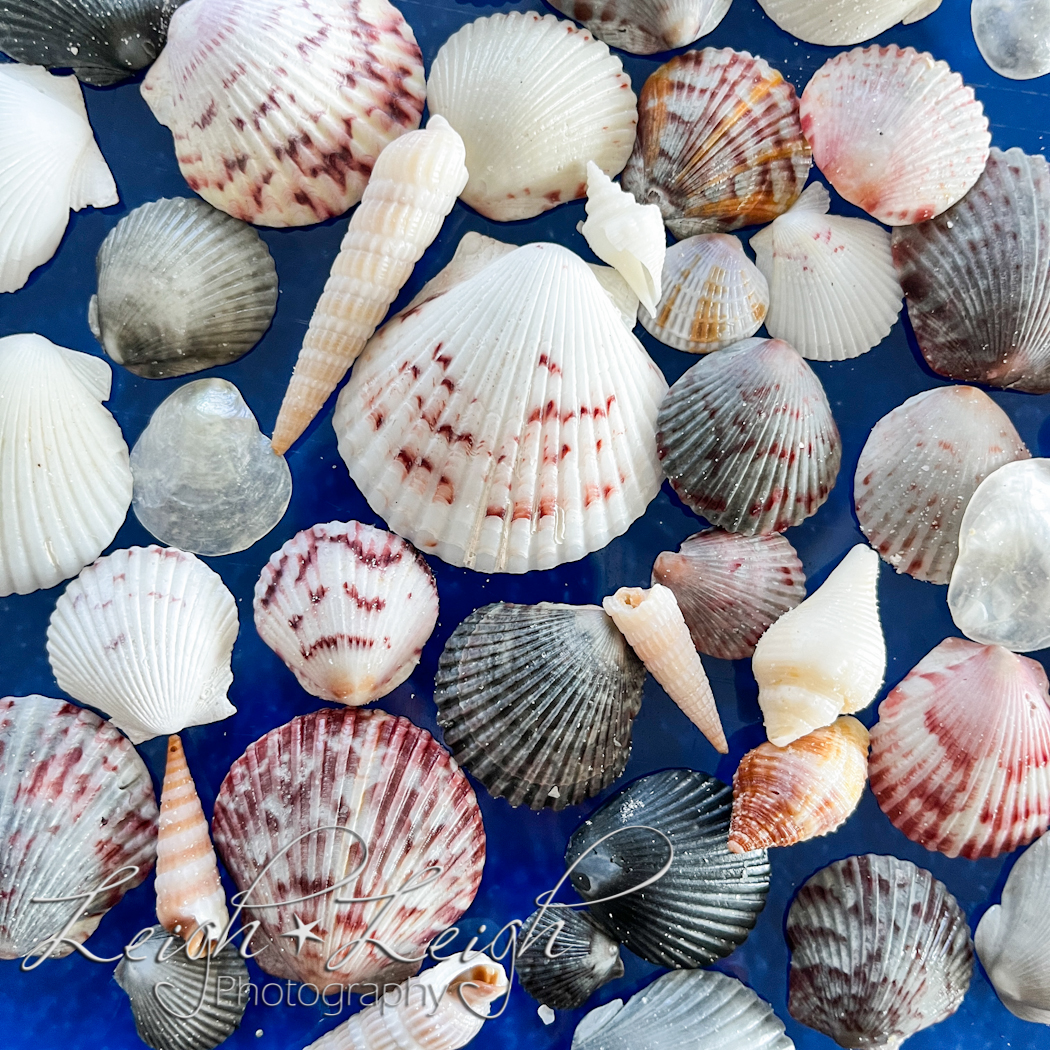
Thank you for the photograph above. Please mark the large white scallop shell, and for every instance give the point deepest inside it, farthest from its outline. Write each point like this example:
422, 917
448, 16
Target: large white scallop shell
843, 22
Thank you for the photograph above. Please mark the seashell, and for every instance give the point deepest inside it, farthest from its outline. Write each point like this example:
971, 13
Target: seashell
976, 278
1011, 937
784, 795
78, 809
411, 829
52, 165
145, 635
918, 470
844, 22
719, 144
181, 287
500, 436
747, 439
730, 588
895, 132
206, 479
527, 151
714, 296
833, 290
705, 903
413, 186
348, 608
537, 701
654, 626
960, 756
879, 951
65, 483
1013, 36
827, 656
320, 90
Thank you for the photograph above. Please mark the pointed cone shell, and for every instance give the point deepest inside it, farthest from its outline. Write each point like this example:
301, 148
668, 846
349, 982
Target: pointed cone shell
537, 701
719, 145
78, 806
747, 439
879, 950
918, 469
65, 481
507, 424
386, 787
843, 22
825, 657
707, 901
527, 150
348, 608
278, 109
1013, 36
145, 635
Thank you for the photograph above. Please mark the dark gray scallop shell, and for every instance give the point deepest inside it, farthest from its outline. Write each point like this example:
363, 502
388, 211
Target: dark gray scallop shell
181, 287
537, 701
704, 905
879, 950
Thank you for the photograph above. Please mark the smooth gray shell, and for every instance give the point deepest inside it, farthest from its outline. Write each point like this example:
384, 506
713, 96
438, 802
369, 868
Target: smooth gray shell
1013, 36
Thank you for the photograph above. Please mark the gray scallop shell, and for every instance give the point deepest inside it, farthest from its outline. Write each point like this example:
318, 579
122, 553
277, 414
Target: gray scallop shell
537, 701
181, 287
704, 905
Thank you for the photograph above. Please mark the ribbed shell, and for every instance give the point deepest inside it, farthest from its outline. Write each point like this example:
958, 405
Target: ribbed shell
704, 905
719, 145
879, 950
1013, 36
145, 635
506, 425
279, 108
844, 22
76, 806
537, 701
396, 794
747, 439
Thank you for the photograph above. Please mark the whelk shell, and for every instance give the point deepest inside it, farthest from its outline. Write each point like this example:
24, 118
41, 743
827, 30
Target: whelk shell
844, 22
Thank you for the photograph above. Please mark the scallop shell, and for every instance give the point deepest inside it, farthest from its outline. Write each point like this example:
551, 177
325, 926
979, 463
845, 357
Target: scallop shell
833, 290
844, 22
895, 132
278, 108
825, 657
410, 827
879, 950
976, 278
714, 296
181, 287
707, 901
730, 588
527, 151
76, 807
719, 145
52, 164
506, 425
348, 608
960, 756
537, 701
918, 470
65, 482
145, 635
747, 439
1013, 36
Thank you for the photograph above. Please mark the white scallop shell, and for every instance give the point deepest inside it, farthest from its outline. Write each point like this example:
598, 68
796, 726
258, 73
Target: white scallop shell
844, 22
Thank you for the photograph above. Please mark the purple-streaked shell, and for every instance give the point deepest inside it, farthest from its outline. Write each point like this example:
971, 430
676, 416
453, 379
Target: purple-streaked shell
644, 27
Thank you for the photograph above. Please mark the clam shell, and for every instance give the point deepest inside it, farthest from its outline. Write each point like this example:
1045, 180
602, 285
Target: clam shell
1013, 36
844, 22
78, 807
879, 950
145, 635
707, 901
65, 482
537, 701
181, 287
527, 150
410, 827
747, 439
895, 132
348, 608
279, 109
719, 144
501, 436
918, 469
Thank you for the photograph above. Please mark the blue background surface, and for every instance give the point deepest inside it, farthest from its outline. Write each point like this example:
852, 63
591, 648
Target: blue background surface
75, 1004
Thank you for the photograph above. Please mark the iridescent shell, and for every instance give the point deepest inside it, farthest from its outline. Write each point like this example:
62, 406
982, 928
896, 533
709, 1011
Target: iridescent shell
844, 22
1013, 36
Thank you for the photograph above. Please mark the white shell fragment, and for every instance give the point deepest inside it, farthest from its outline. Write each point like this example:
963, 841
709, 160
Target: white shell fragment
1013, 36
843, 22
